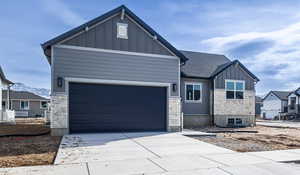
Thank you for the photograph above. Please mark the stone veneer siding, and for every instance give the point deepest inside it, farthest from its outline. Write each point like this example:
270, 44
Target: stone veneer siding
59, 114
234, 108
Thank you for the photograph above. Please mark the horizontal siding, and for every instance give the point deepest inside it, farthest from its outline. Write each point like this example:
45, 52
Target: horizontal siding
104, 36
112, 66
196, 108
235, 73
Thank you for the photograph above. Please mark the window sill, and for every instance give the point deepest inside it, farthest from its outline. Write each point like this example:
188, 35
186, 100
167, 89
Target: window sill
187, 101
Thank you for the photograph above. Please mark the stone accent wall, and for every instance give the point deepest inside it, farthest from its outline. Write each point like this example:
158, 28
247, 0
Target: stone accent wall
232, 108
174, 111
59, 114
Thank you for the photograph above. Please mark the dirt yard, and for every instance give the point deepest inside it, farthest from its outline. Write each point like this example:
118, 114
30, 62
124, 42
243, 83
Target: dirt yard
266, 138
27, 150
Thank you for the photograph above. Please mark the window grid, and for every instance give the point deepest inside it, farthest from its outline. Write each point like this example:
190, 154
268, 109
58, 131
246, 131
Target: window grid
193, 85
234, 90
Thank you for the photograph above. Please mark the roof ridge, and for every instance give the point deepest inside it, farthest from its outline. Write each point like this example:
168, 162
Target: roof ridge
203, 52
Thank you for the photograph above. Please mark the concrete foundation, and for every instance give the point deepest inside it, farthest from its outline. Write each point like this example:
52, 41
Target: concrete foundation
193, 121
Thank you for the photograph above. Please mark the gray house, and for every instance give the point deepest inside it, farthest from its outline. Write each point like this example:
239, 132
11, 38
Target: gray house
115, 73
25, 104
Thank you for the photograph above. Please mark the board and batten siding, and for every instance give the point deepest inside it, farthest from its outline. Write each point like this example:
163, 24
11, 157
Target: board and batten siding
201, 108
234, 72
80, 63
104, 36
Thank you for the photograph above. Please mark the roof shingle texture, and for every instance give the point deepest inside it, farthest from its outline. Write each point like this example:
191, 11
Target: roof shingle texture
22, 95
203, 65
283, 95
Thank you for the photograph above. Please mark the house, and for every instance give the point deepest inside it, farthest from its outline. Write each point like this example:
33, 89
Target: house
258, 105
5, 115
294, 102
25, 104
274, 103
115, 73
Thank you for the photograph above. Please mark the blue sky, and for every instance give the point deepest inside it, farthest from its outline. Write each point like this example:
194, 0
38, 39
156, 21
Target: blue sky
263, 35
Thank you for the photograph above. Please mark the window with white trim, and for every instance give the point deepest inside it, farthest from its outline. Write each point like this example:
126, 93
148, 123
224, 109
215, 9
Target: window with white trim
234, 89
193, 92
44, 104
24, 105
122, 30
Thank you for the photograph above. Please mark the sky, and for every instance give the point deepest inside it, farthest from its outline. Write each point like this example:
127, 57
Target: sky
263, 35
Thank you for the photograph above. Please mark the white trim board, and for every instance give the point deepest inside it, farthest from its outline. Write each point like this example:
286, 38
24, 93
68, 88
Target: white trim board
115, 51
118, 82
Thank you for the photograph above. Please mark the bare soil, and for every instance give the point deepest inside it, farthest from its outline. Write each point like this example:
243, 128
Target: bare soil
27, 150
266, 138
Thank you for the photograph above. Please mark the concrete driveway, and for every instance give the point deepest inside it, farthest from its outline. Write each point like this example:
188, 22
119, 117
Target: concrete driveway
122, 146
156, 153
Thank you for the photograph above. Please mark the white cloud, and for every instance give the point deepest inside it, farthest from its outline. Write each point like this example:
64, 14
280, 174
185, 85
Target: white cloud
60, 10
284, 50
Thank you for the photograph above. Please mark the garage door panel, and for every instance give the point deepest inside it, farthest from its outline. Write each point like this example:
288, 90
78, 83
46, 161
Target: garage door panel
109, 108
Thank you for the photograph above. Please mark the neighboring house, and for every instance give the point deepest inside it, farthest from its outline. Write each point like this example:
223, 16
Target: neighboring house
4, 84
258, 105
115, 73
294, 102
25, 104
274, 103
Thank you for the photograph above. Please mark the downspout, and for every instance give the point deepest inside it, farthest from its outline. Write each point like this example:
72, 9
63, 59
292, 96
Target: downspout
213, 101
8, 97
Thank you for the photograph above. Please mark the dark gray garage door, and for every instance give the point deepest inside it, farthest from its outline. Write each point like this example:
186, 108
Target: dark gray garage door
115, 108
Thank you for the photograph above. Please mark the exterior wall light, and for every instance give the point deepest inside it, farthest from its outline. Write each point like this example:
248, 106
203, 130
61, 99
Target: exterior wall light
59, 81
174, 87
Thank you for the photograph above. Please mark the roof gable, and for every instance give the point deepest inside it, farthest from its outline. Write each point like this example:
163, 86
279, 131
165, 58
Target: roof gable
122, 10
223, 67
281, 95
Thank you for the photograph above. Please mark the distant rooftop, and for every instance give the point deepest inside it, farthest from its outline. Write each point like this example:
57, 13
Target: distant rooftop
22, 95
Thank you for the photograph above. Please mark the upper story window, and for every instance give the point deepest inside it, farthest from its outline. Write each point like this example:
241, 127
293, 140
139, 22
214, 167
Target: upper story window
122, 30
24, 105
193, 92
234, 89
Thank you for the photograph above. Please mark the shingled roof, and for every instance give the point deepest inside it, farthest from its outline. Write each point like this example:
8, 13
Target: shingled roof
24, 95
282, 95
206, 65
202, 65
2, 76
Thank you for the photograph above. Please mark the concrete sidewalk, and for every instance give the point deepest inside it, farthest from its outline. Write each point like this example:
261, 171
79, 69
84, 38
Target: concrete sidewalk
281, 123
157, 153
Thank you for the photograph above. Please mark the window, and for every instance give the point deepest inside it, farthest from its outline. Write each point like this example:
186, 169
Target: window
122, 30
293, 103
238, 121
231, 121
193, 92
44, 105
234, 89
3, 105
24, 105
